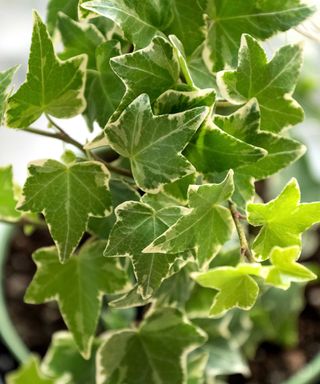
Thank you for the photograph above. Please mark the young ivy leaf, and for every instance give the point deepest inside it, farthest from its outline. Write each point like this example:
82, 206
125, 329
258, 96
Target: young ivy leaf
148, 352
68, 7
79, 38
140, 21
104, 89
8, 199
53, 86
139, 224
205, 228
5, 81
59, 192
285, 269
151, 70
64, 360
261, 19
283, 220
78, 286
271, 83
143, 137
30, 372
244, 124
237, 289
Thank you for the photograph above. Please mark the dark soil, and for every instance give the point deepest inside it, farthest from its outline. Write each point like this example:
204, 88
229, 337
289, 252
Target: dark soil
37, 323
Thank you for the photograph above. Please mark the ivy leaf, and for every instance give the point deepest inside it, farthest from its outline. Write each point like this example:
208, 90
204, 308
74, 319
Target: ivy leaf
5, 81
205, 228
57, 86
104, 90
140, 21
78, 286
237, 289
140, 224
261, 19
63, 360
59, 192
68, 7
271, 83
283, 220
151, 70
142, 137
188, 23
8, 199
244, 124
30, 372
178, 190
196, 368
148, 352
79, 38
285, 269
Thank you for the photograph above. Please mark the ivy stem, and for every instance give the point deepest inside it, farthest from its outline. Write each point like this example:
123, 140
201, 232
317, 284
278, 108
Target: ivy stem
112, 168
244, 245
25, 221
223, 104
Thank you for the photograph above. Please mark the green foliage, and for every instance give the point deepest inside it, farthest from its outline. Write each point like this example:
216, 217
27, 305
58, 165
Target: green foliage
150, 220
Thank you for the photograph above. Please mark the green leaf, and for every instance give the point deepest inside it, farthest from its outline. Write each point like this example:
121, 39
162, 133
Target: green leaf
139, 224
5, 81
143, 138
104, 90
8, 199
53, 86
151, 70
178, 190
261, 19
188, 23
196, 368
79, 38
140, 21
63, 360
67, 195
244, 124
206, 227
285, 269
148, 352
283, 220
213, 150
30, 373
78, 286
120, 192
237, 289
271, 83
68, 7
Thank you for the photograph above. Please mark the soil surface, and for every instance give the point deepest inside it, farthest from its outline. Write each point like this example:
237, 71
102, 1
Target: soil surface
36, 323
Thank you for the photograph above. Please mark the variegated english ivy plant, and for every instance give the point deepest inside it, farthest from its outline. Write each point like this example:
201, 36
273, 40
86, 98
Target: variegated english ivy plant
155, 254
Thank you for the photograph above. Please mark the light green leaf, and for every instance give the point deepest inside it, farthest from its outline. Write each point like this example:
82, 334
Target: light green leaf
8, 199
54, 87
261, 19
139, 224
68, 7
148, 352
237, 289
151, 70
285, 269
104, 90
271, 83
200, 73
30, 373
283, 220
188, 23
244, 124
78, 286
143, 137
206, 227
140, 21
63, 359
79, 38
5, 81
173, 101
59, 192
196, 367
120, 192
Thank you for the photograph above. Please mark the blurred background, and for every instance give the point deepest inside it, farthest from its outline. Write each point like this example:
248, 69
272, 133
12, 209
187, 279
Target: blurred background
291, 337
